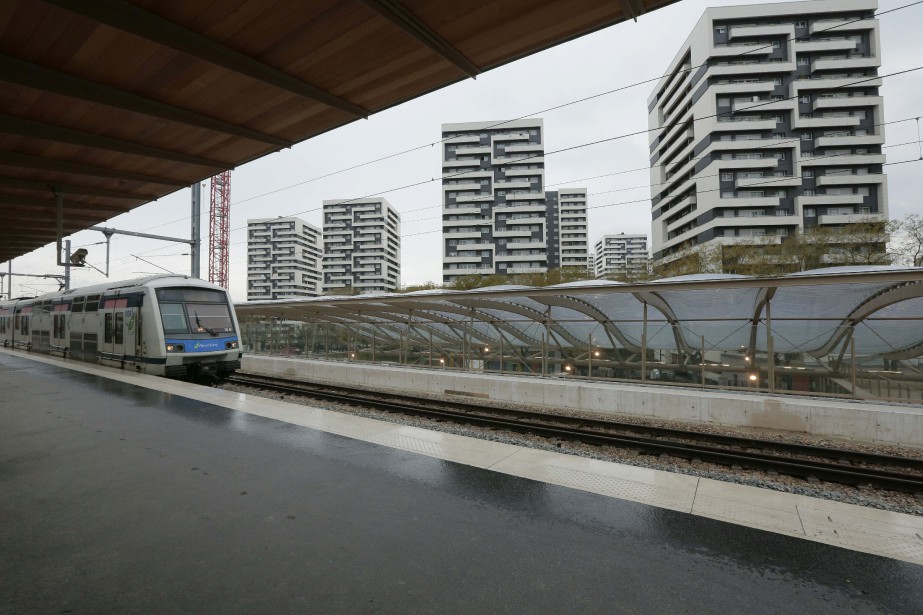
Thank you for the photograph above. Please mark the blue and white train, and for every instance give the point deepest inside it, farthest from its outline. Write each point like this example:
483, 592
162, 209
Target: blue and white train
164, 325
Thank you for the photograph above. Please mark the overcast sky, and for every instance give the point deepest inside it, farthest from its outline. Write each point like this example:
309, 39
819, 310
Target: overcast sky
286, 183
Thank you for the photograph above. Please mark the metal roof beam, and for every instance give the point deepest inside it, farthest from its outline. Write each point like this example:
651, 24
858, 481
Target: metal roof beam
28, 161
397, 14
143, 24
59, 134
31, 207
71, 189
20, 72
633, 8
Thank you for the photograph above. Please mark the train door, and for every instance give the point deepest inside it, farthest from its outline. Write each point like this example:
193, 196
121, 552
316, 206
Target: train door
59, 318
22, 335
114, 325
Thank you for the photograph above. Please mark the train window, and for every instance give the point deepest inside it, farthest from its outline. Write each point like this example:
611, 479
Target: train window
78, 304
107, 329
54, 326
174, 321
92, 303
24, 330
191, 294
211, 318
118, 327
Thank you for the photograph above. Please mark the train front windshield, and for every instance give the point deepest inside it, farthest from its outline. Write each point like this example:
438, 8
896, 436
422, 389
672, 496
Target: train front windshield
194, 311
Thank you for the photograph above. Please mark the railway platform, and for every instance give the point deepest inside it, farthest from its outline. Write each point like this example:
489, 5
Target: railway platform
133, 494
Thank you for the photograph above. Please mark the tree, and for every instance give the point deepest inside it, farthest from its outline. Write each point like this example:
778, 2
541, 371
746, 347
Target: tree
410, 288
468, 282
862, 243
908, 243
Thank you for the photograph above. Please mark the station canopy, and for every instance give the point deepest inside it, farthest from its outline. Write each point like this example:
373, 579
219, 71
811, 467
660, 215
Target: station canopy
874, 311
111, 104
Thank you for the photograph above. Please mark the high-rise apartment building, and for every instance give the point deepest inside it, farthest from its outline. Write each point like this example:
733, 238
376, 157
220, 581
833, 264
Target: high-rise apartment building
768, 123
362, 246
283, 259
565, 211
621, 256
496, 216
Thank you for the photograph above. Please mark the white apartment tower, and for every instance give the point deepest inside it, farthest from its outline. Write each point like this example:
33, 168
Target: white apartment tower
496, 216
621, 255
362, 246
283, 259
768, 123
565, 210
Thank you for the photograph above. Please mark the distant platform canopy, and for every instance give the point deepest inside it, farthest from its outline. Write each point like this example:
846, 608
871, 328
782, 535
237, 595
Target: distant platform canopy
111, 104
826, 322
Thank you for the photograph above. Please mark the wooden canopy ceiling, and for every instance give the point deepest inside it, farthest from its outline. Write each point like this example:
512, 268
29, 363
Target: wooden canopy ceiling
114, 104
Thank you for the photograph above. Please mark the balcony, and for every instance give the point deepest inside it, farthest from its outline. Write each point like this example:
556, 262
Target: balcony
514, 270
849, 140
751, 49
850, 180
763, 105
769, 182
825, 122
744, 125
837, 219
762, 30
846, 102
760, 85
827, 160
461, 259
513, 233
749, 201
846, 63
460, 163
841, 25
821, 45
835, 82
454, 223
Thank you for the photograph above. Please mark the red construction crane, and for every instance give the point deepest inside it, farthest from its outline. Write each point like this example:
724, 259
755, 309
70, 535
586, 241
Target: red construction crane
219, 217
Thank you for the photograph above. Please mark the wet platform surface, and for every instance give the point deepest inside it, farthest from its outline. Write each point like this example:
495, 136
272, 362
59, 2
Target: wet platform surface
115, 498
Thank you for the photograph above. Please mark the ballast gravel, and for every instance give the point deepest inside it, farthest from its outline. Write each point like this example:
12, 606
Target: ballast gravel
873, 498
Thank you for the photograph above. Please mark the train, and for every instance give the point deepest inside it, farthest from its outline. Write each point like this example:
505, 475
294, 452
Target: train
163, 325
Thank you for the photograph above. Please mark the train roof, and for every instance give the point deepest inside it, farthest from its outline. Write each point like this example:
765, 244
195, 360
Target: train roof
157, 281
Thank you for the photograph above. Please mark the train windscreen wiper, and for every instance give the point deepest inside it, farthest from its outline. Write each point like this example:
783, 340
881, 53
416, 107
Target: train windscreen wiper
201, 326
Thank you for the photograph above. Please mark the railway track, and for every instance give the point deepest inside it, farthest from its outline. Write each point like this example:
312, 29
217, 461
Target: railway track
798, 460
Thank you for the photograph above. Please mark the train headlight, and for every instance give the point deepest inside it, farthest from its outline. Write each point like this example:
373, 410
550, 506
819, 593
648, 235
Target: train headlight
175, 348
230, 345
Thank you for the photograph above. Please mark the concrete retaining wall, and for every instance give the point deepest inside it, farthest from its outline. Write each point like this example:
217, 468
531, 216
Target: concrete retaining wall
854, 420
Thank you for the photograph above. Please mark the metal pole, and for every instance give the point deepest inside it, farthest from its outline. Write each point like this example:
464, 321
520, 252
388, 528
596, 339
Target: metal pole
852, 361
374, 335
501, 350
430, 348
546, 339
326, 342
702, 363
465, 349
644, 346
196, 222
770, 349
67, 264
544, 357
589, 357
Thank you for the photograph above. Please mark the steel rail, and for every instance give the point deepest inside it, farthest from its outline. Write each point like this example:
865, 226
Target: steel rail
848, 467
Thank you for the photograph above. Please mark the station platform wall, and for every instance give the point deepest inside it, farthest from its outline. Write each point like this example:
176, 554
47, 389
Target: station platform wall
846, 419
